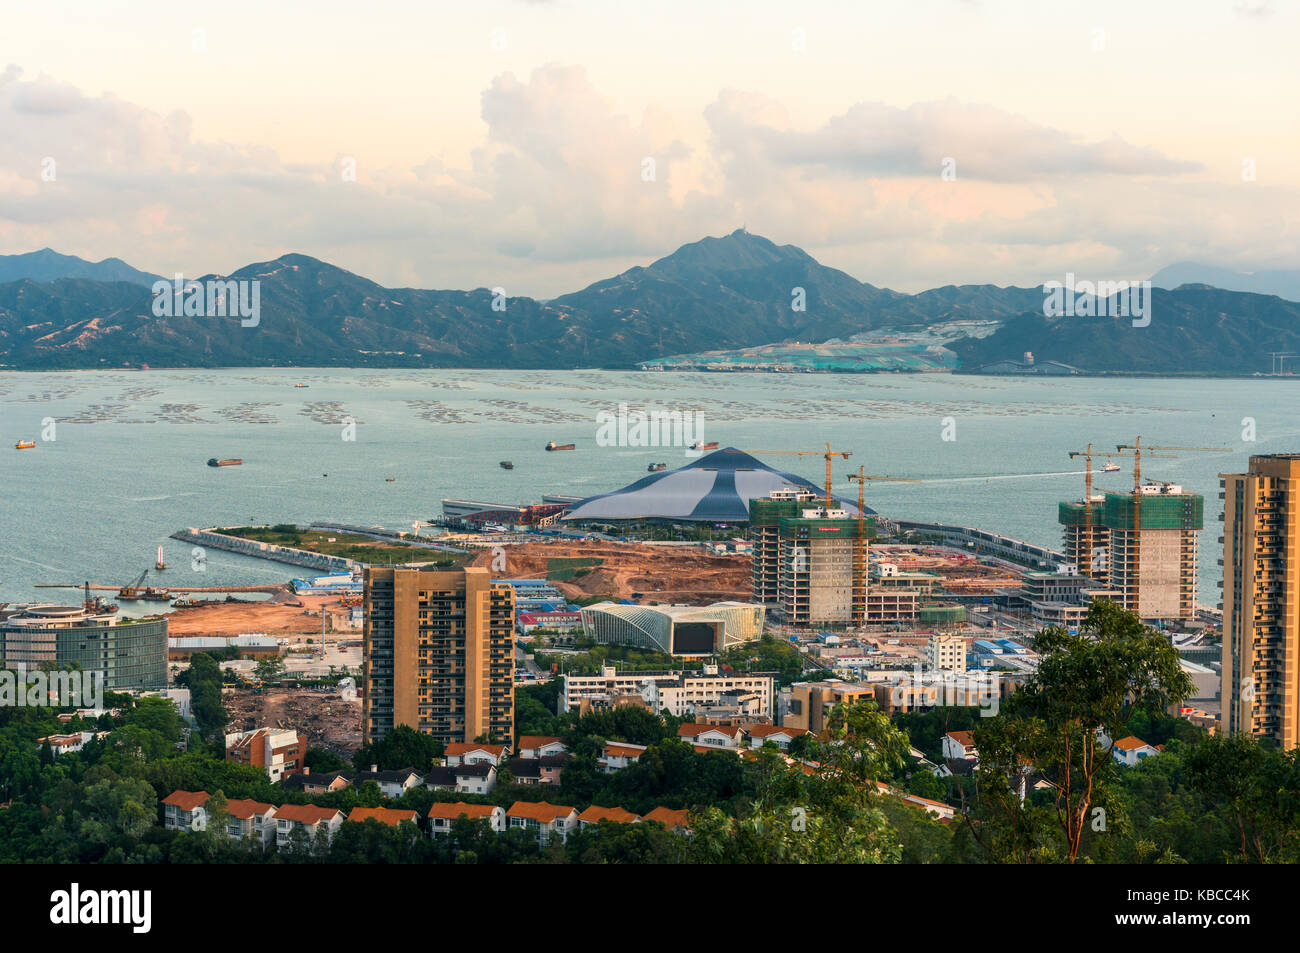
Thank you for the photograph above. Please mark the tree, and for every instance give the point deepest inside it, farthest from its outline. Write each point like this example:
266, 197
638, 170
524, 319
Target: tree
1258, 788
1064, 721
269, 669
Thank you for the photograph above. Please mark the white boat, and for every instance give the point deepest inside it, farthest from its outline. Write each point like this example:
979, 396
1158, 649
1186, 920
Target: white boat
1110, 468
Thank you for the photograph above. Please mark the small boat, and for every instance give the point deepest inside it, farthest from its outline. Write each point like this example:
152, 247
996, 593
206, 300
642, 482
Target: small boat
390, 479
214, 462
506, 465
184, 604
300, 385
25, 444
701, 445
1110, 468
559, 446
656, 467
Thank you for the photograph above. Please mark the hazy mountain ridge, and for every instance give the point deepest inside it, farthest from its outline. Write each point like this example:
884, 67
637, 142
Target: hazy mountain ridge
739, 290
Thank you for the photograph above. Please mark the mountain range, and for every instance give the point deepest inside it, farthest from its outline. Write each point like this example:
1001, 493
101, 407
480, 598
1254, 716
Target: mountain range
729, 292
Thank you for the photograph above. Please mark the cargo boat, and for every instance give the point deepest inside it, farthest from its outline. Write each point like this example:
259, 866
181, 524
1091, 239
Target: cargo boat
701, 445
25, 444
506, 465
214, 462
559, 446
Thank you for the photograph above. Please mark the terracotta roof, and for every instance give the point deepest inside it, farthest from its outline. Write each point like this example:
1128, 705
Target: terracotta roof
187, 800
538, 810
690, 731
624, 751
387, 815
463, 747
766, 731
305, 813
536, 741
668, 818
456, 809
1131, 743
244, 809
964, 738
594, 815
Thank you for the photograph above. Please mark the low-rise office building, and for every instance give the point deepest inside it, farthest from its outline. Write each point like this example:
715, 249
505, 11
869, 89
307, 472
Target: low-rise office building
681, 694
129, 653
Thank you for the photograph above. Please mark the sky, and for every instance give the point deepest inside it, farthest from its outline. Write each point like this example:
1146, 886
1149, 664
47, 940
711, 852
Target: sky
539, 146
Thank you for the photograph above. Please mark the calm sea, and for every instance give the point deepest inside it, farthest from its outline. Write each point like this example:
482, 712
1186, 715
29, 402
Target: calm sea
127, 463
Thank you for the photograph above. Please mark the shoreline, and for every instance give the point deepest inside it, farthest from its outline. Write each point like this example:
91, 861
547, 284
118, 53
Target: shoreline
952, 372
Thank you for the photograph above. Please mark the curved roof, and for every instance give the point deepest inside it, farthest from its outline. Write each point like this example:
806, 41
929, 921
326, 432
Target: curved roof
715, 488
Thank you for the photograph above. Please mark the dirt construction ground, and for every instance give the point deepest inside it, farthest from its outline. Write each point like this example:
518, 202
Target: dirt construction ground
679, 574
328, 721
235, 618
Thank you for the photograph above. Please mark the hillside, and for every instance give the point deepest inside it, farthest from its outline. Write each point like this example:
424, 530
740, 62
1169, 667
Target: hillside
736, 291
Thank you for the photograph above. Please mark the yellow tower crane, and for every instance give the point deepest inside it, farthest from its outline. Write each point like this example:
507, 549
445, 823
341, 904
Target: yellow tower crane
859, 605
828, 453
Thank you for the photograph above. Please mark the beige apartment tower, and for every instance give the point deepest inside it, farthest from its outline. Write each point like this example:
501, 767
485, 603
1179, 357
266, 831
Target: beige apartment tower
1261, 598
439, 654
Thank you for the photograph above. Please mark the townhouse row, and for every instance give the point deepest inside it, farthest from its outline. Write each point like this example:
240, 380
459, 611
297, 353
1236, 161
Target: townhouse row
265, 824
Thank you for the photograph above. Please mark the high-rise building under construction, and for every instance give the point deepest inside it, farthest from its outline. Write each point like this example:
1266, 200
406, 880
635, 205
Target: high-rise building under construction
439, 654
803, 562
1143, 548
1261, 599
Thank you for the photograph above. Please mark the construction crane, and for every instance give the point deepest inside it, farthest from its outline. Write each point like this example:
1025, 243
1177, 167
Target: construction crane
828, 453
1137, 449
1084, 556
859, 608
133, 591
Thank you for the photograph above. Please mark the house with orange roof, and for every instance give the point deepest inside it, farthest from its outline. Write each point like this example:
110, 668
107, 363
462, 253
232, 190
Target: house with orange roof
443, 816
540, 746
593, 816
384, 815
944, 812
464, 752
617, 755
712, 736
1129, 751
544, 821
778, 735
277, 752
960, 746
309, 817
250, 820
672, 820
66, 744
181, 809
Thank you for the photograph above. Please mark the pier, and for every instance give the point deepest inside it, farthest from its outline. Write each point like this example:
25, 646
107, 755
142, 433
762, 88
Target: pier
282, 554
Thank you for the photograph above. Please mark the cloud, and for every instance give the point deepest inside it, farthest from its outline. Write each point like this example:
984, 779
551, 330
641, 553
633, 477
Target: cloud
565, 189
881, 140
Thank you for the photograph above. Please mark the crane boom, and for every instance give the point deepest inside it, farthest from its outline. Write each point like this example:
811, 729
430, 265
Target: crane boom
828, 453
